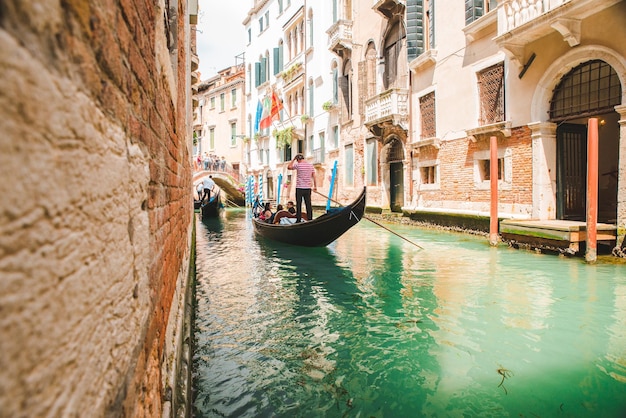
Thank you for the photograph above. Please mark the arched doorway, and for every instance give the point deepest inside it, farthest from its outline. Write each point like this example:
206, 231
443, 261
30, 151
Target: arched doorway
592, 89
394, 156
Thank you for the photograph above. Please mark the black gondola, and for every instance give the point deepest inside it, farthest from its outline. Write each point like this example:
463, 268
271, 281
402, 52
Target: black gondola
212, 207
319, 232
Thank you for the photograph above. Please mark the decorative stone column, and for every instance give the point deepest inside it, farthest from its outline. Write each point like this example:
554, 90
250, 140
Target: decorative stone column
620, 248
543, 136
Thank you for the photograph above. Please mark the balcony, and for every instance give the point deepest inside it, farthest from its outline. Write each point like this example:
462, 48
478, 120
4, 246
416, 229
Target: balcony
388, 8
388, 108
340, 37
521, 22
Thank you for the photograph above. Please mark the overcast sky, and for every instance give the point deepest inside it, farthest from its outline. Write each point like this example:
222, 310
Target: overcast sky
220, 35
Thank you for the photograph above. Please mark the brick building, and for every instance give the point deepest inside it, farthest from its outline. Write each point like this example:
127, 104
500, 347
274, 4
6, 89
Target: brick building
96, 209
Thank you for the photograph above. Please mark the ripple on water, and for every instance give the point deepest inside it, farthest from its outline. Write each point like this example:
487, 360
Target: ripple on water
371, 327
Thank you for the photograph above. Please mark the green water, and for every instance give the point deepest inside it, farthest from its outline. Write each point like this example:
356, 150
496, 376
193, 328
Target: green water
373, 327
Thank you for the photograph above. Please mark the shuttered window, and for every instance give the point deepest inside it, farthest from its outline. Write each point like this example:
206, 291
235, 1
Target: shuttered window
371, 164
415, 28
473, 10
491, 90
349, 157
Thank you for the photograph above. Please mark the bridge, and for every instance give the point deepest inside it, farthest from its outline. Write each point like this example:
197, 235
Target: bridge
225, 180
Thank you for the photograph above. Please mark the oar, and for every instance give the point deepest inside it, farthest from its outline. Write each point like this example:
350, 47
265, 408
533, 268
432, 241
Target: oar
376, 223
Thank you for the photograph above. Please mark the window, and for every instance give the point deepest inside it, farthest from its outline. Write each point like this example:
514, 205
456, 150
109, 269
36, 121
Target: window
335, 72
310, 146
392, 53
428, 174
427, 113
311, 99
233, 134
280, 6
212, 106
222, 102
212, 138
491, 92
249, 35
261, 71
261, 28
267, 19
335, 11
593, 87
371, 162
415, 29
335, 143
482, 167
349, 166
233, 98
345, 86
478, 8
278, 58
311, 37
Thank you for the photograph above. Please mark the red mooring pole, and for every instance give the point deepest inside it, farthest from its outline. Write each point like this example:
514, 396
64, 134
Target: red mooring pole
493, 176
591, 252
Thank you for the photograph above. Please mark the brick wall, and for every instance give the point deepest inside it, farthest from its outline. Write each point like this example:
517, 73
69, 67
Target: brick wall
457, 178
95, 215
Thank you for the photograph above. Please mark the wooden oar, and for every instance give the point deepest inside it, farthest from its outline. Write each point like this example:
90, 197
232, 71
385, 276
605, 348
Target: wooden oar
375, 223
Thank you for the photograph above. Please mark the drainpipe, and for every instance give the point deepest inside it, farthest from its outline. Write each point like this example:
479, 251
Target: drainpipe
591, 253
493, 176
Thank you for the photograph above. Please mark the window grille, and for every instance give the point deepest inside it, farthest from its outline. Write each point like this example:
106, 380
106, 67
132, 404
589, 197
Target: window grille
395, 152
427, 111
591, 88
491, 91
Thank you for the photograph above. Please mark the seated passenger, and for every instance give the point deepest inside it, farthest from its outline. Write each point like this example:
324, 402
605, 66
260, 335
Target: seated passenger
283, 216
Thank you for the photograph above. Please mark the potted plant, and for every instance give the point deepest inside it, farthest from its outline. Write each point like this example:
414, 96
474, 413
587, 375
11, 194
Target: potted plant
328, 105
305, 118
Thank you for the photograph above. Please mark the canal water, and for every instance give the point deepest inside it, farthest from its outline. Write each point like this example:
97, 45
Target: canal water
371, 326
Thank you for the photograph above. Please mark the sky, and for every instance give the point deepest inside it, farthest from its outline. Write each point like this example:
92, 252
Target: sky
221, 36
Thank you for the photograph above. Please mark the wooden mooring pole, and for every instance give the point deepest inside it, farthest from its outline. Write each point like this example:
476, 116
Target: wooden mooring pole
493, 176
591, 251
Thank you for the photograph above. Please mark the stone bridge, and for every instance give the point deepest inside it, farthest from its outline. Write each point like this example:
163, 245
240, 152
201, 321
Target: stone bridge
225, 181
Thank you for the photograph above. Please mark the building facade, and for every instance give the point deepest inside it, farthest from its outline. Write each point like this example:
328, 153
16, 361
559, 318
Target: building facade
287, 56
530, 73
219, 119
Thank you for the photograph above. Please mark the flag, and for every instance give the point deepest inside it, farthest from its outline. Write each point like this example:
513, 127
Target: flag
266, 119
259, 112
271, 108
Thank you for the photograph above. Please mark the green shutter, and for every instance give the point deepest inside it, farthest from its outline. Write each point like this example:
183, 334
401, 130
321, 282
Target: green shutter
414, 28
276, 61
257, 74
431, 24
263, 70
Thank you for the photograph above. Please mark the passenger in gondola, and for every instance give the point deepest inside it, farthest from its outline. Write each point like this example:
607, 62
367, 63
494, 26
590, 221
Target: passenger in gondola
266, 214
285, 217
291, 207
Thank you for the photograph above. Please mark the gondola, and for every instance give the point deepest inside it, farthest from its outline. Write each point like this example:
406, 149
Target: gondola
212, 208
319, 232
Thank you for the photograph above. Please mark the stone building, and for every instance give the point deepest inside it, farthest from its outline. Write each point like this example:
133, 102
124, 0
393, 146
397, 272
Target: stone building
219, 119
96, 209
287, 56
530, 73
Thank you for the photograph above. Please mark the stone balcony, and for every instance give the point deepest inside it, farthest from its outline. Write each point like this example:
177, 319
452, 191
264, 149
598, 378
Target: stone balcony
390, 107
388, 8
521, 22
340, 37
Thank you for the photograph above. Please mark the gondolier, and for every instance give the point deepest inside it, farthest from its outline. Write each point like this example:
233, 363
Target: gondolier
305, 180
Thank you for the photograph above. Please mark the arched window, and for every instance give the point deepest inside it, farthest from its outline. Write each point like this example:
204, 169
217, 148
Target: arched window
335, 72
311, 98
345, 86
394, 42
370, 69
588, 89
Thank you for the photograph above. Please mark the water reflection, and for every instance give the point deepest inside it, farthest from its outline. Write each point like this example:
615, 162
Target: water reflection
371, 327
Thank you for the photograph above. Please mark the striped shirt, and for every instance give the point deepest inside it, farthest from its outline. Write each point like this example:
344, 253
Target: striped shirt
305, 171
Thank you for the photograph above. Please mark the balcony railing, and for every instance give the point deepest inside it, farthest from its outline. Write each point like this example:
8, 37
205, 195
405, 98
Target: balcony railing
319, 156
340, 36
391, 105
521, 22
